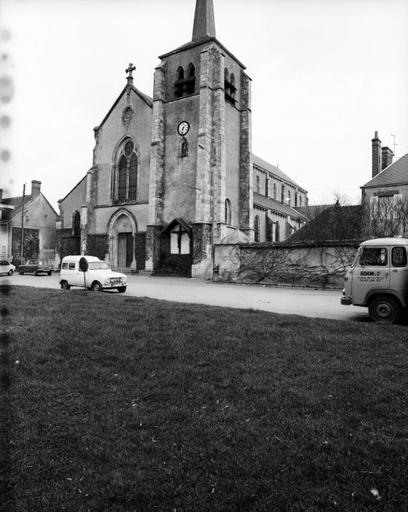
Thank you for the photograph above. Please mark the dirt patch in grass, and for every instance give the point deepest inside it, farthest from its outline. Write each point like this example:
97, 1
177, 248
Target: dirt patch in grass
139, 405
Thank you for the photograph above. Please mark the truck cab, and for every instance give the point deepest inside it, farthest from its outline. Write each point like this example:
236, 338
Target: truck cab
378, 279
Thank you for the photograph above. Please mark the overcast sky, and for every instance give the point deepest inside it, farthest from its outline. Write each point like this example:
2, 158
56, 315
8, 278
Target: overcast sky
326, 75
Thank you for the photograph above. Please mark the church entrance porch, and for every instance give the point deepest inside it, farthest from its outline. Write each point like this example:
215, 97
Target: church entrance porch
176, 244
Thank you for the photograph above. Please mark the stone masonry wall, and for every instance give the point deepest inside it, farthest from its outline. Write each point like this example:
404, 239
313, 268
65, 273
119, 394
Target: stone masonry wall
308, 265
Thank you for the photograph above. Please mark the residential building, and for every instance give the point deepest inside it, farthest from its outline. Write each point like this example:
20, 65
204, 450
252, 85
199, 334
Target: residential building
27, 226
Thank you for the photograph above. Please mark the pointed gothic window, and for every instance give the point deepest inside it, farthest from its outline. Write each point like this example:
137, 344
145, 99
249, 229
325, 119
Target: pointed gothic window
125, 178
256, 228
179, 85
122, 178
227, 211
133, 177
76, 223
274, 190
277, 231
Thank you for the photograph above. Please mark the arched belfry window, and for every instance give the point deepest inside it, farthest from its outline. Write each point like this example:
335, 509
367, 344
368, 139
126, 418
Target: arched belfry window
125, 175
185, 82
179, 85
227, 211
229, 87
190, 82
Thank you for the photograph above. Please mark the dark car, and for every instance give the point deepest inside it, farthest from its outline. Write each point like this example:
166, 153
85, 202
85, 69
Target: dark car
35, 267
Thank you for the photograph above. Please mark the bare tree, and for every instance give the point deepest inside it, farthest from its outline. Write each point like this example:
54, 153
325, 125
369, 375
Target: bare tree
385, 216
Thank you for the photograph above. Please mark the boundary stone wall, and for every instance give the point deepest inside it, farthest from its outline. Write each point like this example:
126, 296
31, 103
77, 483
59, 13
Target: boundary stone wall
315, 265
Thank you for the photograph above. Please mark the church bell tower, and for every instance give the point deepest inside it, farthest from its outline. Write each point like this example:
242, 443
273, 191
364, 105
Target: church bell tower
200, 191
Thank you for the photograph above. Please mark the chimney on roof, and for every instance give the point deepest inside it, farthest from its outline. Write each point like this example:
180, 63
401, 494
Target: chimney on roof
386, 156
35, 188
376, 155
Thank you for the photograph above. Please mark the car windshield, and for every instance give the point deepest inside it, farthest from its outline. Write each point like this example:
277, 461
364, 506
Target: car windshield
98, 265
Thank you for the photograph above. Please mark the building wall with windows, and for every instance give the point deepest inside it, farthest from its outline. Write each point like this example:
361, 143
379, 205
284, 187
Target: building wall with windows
385, 196
276, 196
32, 220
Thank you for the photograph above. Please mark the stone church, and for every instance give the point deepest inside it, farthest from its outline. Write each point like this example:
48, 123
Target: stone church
173, 175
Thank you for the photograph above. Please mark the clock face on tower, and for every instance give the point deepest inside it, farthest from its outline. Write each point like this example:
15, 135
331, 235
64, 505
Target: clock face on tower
183, 128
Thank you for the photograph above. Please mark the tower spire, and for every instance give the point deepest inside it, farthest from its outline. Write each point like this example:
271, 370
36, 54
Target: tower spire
204, 24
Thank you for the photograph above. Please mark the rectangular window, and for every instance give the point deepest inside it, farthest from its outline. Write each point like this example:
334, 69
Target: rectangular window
374, 256
399, 257
71, 266
185, 244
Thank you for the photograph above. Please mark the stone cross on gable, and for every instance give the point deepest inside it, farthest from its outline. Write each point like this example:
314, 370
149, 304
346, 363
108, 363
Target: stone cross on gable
129, 72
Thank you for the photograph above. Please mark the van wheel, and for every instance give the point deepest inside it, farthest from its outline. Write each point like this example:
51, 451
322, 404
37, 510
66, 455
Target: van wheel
10, 272
96, 286
122, 289
385, 308
65, 285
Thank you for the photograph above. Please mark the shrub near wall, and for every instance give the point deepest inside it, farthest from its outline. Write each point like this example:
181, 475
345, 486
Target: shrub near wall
303, 264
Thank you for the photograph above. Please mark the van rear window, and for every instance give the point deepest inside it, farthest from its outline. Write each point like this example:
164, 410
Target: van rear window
64, 266
374, 256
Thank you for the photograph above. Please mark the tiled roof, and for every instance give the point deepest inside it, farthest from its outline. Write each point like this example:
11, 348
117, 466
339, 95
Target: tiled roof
394, 174
271, 204
274, 170
17, 202
334, 223
311, 211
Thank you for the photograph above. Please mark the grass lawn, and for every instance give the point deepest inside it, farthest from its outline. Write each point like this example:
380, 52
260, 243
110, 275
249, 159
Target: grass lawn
118, 403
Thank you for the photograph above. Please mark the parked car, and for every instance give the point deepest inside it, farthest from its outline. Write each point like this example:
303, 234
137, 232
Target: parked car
35, 267
6, 267
98, 277
378, 279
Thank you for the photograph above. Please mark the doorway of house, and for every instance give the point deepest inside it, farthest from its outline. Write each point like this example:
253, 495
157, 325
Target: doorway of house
125, 250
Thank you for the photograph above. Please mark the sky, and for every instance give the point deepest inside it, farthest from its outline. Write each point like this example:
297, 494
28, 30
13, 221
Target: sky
326, 74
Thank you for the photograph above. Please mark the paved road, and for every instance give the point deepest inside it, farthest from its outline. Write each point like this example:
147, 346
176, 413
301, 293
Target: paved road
305, 302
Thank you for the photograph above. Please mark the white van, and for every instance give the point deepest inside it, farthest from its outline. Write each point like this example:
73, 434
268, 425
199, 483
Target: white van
98, 276
378, 279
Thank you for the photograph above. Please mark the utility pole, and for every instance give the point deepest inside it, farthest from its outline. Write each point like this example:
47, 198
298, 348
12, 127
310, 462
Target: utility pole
393, 136
22, 228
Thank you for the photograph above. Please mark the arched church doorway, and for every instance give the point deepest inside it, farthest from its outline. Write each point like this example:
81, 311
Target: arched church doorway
122, 233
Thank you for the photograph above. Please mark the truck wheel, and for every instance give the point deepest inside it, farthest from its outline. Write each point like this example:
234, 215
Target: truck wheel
385, 308
65, 285
20, 272
96, 286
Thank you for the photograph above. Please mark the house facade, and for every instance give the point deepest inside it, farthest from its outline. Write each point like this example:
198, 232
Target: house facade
173, 174
27, 226
385, 196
